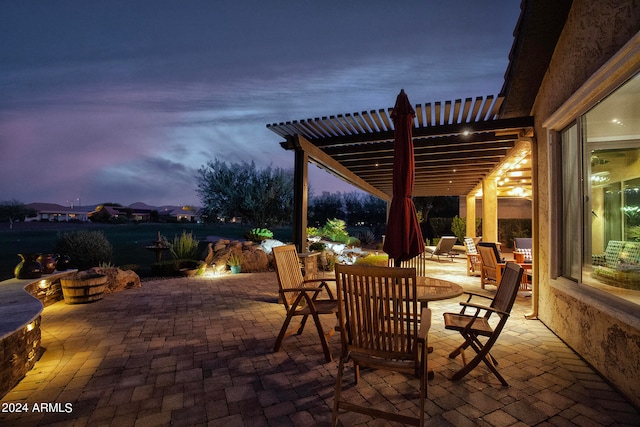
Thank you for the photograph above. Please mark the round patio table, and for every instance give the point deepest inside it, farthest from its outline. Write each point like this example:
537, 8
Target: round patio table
432, 289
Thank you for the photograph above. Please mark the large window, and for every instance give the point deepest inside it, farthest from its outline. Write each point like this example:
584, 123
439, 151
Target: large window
610, 153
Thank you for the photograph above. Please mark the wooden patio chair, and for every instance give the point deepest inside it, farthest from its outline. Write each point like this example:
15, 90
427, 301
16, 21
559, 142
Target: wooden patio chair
474, 262
492, 269
300, 297
380, 330
476, 325
444, 247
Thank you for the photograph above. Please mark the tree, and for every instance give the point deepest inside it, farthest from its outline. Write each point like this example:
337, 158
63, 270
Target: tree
325, 207
14, 210
365, 209
261, 197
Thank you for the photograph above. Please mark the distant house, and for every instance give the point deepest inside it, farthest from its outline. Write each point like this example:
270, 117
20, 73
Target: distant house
55, 212
182, 214
103, 213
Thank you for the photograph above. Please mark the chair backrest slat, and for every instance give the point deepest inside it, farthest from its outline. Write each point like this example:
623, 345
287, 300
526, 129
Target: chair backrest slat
508, 289
378, 307
288, 270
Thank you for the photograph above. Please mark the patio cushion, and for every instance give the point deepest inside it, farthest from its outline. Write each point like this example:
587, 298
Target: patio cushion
619, 265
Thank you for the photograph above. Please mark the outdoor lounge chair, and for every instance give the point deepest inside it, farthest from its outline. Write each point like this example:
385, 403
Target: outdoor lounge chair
476, 325
300, 297
381, 331
444, 247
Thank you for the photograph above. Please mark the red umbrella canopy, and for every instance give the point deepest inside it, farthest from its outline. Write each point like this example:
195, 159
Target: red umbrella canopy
403, 239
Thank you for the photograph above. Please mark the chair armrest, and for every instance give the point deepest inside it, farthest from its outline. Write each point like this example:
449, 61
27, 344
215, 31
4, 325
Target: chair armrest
482, 307
302, 289
475, 294
319, 280
425, 324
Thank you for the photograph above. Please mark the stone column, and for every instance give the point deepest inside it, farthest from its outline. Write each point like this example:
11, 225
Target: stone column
489, 210
471, 215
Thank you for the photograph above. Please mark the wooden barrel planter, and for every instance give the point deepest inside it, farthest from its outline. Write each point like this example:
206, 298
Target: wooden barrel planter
83, 289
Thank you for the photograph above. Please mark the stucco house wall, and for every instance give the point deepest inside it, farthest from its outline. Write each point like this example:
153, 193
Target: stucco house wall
586, 65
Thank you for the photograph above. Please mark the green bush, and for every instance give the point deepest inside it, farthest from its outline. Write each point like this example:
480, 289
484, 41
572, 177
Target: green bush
379, 260
335, 230
317, 247
185, 246
234, 260
510, 228
459, 227
85, 248
259, 234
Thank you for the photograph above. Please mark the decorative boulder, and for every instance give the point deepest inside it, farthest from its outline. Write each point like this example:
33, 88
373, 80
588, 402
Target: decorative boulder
268, 245
254, 259
118, 280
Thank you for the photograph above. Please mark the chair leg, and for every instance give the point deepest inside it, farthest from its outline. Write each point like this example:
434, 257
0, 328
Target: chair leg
482, 354
323, 338
303, 322
459, 349
338, 394
282, 334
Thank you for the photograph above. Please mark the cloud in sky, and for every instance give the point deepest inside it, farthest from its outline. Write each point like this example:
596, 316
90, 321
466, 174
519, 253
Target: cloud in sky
124, 101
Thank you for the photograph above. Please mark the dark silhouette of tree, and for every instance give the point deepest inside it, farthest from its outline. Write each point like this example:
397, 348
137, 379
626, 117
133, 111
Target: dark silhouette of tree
14, 210
263, 197
324, 207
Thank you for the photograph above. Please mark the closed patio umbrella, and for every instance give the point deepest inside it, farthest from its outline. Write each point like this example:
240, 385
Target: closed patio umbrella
403, 239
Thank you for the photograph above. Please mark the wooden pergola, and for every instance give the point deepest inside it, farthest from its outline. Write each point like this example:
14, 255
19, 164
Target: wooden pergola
458, 146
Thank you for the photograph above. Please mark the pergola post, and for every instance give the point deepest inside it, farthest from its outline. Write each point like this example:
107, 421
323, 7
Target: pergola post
489, 210
471, 215
300, 198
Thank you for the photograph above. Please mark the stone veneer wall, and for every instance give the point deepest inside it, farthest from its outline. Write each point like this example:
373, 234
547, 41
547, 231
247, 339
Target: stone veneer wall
18, 353
20, 348
602, 329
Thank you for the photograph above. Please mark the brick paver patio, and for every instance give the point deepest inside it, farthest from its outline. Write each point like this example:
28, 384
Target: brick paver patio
198, 351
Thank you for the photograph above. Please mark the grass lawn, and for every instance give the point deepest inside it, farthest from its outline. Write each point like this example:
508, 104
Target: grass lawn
128, 240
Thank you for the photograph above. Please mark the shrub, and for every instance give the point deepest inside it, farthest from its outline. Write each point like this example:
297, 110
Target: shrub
459, 227
367, 237
85, 248
185, 246
379, 260
335, 230
234, 259
259, 234
317, 247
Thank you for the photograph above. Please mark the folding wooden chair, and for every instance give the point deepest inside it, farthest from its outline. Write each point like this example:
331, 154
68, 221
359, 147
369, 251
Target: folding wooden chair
300, 297
474, 326
380, 330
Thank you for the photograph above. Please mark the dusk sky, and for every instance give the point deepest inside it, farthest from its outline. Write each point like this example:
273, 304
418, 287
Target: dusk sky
123, 101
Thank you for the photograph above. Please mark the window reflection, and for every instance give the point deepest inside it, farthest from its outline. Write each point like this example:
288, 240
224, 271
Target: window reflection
612, 168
